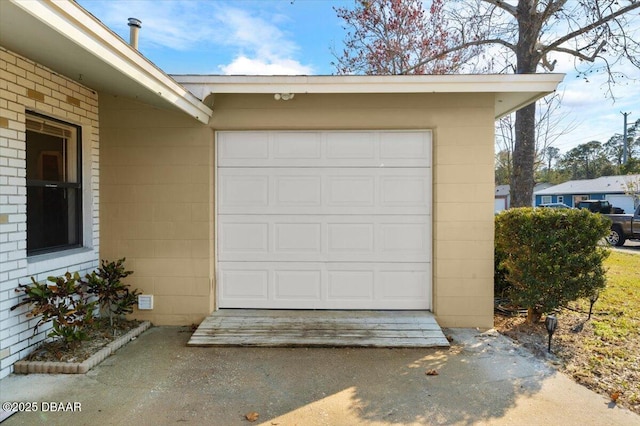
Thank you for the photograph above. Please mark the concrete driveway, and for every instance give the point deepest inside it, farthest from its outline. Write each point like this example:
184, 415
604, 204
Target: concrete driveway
483, 379
629, 247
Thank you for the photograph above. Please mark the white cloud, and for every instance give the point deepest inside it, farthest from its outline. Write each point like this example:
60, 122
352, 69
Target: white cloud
248, 31
255, 38
267, 50
246, 66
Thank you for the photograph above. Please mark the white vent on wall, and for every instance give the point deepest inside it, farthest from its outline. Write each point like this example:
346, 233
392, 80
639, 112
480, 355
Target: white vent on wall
145, 302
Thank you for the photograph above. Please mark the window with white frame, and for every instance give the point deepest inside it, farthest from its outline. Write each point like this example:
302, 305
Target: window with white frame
560, 199
546, 199
54, 185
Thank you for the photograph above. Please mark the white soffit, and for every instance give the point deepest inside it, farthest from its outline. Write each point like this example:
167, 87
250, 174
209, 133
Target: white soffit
64, 37
512, 91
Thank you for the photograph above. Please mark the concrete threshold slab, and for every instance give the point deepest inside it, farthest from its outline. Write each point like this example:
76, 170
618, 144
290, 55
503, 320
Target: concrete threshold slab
319, 328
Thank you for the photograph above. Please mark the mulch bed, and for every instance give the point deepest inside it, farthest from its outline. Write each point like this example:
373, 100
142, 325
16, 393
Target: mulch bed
99, 336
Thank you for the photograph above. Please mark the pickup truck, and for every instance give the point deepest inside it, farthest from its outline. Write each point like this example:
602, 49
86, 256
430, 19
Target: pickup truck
599, 206
624, 227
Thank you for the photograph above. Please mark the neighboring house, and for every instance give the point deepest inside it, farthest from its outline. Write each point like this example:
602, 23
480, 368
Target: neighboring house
539, 187
611, 188
502, 197
360, 192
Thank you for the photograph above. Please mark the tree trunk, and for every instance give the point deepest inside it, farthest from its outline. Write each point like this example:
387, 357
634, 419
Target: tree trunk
522, 181
533, 315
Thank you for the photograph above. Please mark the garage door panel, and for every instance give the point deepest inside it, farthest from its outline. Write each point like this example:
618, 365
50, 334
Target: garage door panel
350, 237
406, 146
297, 237
292, 285
350, 284
297, 146
405, 238
242, 147
241, 238
396, 283
350, 191
350, 146
330, 238
297, 191
326, 285
405, 191
324, 191
245, 283
324, 149
244, 192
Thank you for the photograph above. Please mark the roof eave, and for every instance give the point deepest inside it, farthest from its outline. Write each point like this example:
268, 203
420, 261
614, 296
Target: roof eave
81, 28
511, 92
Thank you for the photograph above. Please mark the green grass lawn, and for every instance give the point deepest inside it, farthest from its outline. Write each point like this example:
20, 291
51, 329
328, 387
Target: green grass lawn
605, 354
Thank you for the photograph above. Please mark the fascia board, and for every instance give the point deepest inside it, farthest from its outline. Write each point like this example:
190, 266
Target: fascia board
81, 28
511, 91
487, 83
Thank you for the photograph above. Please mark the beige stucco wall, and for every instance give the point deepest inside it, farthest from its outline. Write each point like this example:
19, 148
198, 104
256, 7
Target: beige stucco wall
157, 170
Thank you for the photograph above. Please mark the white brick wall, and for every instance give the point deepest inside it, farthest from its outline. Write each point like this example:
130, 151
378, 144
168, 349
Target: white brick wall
25, 85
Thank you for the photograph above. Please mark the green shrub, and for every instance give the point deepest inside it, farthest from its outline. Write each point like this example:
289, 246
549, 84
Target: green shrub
501, 285
64, 302
113, 296
550, 257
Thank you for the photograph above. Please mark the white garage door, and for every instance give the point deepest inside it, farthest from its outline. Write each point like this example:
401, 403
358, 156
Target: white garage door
625, 202
324, 220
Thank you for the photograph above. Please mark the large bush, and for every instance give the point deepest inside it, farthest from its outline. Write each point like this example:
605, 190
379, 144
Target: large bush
549, 257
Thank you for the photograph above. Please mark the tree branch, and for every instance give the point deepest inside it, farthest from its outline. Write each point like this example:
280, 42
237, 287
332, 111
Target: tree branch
462, 46
552, 7
604, 20
582, 56
503, 5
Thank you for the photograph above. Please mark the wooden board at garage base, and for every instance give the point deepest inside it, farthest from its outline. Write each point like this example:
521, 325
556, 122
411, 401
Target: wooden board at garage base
290, 328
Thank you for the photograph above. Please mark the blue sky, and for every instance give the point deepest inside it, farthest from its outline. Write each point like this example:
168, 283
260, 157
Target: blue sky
296, 37
230, 37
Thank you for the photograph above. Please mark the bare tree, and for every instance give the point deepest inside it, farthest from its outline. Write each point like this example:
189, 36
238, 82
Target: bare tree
632, 188
596, 33
550, 124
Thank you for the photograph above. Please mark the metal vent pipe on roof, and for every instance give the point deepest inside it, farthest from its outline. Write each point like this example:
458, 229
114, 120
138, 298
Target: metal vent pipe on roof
134, 25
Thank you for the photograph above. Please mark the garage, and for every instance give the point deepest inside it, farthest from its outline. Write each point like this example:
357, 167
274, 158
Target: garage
324, 219
625, 202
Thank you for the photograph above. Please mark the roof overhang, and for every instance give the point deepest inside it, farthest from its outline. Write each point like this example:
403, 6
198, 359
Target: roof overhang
511, 91
64, 37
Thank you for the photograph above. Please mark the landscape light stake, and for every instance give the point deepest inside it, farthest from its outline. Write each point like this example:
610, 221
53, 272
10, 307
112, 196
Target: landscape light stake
592, 300
551, 323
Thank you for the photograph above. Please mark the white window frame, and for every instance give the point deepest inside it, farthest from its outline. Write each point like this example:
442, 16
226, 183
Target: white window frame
69, 161
86, 253
545, 199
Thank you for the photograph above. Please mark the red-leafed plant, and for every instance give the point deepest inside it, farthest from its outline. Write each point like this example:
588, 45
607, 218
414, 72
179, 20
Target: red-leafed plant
61, 300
